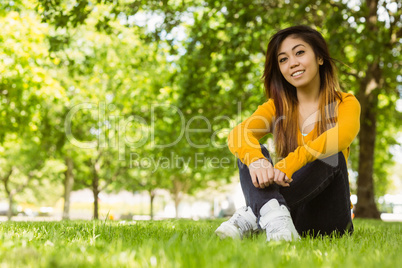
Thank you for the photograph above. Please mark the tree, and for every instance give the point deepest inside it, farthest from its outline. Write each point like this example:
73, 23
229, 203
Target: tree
105, 76
219, 62
372, 70
372, 77
26, 85
25, 167
370, 90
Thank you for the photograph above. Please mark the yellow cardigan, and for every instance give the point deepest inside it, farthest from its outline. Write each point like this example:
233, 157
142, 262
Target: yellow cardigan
243, 139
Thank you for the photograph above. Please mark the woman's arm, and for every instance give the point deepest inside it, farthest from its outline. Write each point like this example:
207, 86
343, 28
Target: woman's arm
243, 139
330, 142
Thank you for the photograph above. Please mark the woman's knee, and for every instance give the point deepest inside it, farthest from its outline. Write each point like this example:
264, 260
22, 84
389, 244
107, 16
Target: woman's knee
330, 165
336, 161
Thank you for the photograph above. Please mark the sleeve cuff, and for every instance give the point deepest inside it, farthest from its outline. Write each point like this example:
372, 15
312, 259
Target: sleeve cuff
288, 166
251, 157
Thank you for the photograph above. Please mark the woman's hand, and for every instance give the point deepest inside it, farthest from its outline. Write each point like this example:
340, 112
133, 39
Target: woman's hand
281, 179
262, 173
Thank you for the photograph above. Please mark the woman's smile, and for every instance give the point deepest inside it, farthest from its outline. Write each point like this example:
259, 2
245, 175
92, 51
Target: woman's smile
299, 64
297, 74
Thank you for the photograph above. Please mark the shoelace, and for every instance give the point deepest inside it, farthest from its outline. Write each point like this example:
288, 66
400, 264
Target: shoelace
240, 222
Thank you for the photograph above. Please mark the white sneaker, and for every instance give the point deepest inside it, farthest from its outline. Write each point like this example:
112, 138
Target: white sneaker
241, 224
277, 222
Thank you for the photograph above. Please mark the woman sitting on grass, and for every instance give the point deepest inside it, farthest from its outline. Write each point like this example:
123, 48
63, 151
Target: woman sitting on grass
313, 123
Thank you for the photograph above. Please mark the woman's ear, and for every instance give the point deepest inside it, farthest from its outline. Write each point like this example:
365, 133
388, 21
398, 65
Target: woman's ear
320, 61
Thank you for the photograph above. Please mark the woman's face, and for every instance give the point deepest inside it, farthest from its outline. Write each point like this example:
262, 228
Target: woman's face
298, 63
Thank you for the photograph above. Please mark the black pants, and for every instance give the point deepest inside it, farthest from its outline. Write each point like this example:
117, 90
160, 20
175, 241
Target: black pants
318, 196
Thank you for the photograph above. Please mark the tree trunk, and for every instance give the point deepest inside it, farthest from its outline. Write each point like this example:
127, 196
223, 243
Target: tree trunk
95, 189
10, 207
366, 206
178, 196
368, 97
95, 192
152, 197
176, 204
178, 188
68, 187
9, 193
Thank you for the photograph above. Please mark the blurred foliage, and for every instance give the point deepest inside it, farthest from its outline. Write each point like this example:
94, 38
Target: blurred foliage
109, 82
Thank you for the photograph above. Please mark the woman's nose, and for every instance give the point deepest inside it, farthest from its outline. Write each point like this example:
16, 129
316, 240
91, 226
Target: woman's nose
293, 62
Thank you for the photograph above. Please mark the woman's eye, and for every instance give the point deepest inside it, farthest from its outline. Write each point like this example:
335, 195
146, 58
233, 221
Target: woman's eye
282, 60
300, 52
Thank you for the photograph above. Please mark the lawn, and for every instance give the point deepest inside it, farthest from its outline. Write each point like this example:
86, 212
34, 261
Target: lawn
185, 243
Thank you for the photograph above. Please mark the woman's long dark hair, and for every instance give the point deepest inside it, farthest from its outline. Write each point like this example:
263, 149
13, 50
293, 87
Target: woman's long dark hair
284, 94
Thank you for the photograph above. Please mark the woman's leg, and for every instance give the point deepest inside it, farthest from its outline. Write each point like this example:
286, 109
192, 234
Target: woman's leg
256, 197
319, 197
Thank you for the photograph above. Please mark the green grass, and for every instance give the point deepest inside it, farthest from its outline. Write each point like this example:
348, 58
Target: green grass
185, 243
